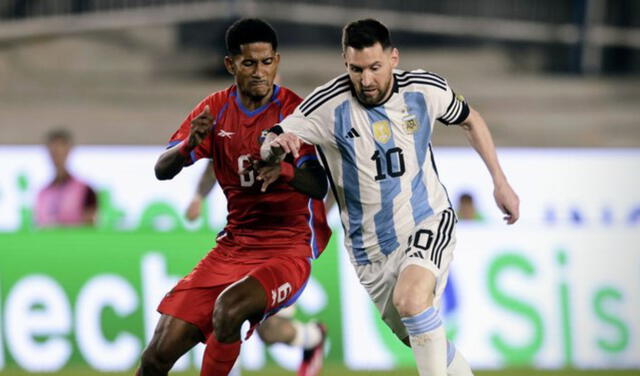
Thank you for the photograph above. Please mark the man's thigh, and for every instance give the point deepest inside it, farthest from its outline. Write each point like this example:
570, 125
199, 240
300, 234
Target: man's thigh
193, 306
173, 337
430, 245
283, 280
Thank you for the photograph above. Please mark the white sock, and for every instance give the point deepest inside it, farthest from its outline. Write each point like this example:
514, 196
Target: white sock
457, 364
428, 342
307, 336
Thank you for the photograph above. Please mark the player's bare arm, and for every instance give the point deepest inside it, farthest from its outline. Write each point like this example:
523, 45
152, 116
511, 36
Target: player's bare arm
309, 178
205, 185
479, 136
170, 162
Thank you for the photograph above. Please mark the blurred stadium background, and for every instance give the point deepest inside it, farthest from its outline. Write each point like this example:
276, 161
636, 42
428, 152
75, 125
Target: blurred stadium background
557, 81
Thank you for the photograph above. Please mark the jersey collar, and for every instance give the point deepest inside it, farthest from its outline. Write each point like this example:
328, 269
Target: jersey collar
274, 97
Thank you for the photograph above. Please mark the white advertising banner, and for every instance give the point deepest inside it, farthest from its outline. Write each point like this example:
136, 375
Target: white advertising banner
561, 287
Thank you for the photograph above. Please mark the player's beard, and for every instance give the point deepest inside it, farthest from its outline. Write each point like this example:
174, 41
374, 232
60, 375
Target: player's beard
373, 101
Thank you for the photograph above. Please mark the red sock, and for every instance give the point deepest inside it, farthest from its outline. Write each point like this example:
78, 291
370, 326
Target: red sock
219, 358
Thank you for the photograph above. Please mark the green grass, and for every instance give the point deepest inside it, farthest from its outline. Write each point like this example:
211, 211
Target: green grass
341, 371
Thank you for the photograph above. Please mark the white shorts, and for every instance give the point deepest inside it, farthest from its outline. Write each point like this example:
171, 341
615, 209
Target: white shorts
429, 245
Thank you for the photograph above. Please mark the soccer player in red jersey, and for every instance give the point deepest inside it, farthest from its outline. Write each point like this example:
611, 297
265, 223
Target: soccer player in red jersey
282, 327
261, 262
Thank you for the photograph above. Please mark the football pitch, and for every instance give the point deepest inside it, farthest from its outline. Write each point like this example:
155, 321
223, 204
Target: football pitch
341, 371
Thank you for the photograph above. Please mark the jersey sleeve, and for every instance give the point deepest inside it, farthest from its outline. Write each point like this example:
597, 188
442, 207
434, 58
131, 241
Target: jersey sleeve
450, 108
311, 129
307, 152
205, 149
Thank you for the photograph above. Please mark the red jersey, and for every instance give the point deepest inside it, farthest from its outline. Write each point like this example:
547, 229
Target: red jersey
281, 216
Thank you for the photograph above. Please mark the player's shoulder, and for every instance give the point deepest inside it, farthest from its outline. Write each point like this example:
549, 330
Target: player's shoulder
337, 87
287, 96
333, 83
419, 79
217, 99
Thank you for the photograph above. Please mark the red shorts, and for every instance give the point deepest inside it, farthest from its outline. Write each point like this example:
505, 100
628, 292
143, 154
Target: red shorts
283, 274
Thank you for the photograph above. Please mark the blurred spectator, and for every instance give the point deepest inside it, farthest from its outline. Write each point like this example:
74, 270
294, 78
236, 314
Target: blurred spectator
467, 209
65, 201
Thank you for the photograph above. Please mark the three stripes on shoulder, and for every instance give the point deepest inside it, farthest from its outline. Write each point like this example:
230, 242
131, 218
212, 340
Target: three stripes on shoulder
342, 84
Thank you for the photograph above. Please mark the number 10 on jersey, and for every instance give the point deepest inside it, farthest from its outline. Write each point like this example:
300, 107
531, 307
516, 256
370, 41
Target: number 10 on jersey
392, 169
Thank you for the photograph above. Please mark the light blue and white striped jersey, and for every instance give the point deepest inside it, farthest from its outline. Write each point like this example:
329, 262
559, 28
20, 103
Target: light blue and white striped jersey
379, 159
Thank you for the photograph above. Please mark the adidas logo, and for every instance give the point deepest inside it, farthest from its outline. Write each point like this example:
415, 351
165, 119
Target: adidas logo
352, 133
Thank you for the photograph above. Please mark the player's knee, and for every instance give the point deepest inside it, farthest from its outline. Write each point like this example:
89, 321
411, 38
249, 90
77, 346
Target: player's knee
228, 316
267, 333
410, 305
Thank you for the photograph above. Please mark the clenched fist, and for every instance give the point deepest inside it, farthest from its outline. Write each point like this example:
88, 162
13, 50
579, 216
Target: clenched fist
201, 125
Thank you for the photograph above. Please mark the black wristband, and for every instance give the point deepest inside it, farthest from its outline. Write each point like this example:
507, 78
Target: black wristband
277, 129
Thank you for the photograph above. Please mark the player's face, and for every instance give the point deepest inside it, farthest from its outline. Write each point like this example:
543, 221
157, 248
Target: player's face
371, 72
59, 151
254, 69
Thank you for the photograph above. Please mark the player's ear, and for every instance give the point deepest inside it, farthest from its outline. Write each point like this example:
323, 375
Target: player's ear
228, 63
395, 57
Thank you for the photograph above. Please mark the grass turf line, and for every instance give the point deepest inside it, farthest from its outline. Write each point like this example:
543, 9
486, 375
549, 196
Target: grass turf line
341, 371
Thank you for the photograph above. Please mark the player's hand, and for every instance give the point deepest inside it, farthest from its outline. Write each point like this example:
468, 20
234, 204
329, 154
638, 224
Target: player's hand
288, 142
267, 173
507, 201
194, 208
269, 154
201, 125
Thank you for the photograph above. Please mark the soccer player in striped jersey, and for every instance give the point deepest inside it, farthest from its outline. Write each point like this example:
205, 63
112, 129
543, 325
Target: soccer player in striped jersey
372, 129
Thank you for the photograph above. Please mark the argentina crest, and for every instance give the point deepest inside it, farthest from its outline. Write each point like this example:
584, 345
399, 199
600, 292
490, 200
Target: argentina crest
410, 123
381, 131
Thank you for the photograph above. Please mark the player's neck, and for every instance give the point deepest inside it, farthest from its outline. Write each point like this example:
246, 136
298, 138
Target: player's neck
253, 103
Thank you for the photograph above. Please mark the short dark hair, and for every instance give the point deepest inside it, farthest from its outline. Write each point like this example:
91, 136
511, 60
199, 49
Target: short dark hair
59, 134
466, 197
365, 33
249, 30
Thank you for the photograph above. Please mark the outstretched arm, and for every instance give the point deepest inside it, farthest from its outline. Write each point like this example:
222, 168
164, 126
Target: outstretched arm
277, 144
170, 162
479, 136
205, 185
